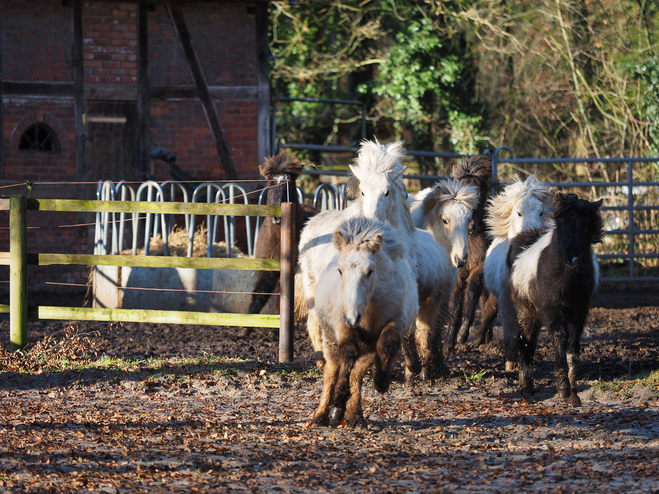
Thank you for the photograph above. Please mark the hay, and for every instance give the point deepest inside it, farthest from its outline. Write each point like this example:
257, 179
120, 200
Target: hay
177, 241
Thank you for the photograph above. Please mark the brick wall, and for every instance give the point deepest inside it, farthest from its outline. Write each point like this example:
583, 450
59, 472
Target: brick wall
36, 40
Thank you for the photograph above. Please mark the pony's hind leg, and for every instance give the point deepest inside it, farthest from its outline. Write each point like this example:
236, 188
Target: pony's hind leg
488, 316
508, 316
266, 284
315, 332
354, 412
412, 362
427, 341
455, 315
387, 347
558, 331
473, 295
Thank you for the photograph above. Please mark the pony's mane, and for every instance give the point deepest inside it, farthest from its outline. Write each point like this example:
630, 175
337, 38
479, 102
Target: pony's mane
284, 162
360, 230
568, 202
478, 167
450, 189
377, 158
500, 208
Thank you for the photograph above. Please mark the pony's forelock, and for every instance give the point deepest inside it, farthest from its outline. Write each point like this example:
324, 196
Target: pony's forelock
450, 189
566, 202
374, 157
284, 162
500, 207
478, 167
360, 230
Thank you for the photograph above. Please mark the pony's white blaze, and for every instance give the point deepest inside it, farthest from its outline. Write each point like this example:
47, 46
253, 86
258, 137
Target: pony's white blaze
358, 281
525, 267
455, 223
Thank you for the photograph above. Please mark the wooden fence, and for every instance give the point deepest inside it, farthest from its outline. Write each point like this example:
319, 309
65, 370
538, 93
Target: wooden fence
18, 259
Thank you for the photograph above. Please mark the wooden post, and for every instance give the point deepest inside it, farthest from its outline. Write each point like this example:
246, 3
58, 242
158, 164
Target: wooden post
287, 282
17, 272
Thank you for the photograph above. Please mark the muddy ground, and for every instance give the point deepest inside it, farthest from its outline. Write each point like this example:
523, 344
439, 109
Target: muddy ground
243, 423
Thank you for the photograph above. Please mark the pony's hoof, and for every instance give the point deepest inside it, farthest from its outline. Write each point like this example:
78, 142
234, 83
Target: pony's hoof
321, 419
527, 390
356, 422
381, 381
336, 416
510, 366
573, 400
320, 360
463, 335
426, 374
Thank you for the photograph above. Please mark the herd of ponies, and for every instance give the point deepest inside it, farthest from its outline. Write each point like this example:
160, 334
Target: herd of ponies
391, 271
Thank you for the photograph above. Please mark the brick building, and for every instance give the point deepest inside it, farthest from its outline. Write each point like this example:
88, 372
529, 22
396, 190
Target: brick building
89, 87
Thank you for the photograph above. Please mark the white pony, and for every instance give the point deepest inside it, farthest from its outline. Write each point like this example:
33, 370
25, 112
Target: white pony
521, 206
382, 194
365, 301
445, 211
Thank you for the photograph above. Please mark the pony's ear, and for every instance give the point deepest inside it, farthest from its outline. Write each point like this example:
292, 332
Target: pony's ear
397, 174
339, 241
375, 244
597, 204
355, 171
558, 197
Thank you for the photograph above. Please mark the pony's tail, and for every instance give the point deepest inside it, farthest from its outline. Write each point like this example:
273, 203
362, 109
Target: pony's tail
300, 302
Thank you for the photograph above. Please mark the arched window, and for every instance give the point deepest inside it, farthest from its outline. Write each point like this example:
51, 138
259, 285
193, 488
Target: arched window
39, 137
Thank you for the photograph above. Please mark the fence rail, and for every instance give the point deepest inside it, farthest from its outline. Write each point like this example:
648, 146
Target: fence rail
18, 259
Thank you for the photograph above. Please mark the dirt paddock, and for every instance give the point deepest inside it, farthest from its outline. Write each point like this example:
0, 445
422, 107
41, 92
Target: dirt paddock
234, 420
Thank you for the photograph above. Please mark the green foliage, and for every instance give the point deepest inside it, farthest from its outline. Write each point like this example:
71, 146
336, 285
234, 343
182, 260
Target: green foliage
648, 73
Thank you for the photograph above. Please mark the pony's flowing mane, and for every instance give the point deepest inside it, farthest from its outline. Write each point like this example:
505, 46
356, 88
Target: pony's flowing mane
376, 158
500, 208
450, 189
284, 162
478, 167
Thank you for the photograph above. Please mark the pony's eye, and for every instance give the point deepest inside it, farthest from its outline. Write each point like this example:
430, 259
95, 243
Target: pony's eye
445, 221
519, 213
340, 272
362, 193
386, 193
369, 272
541, 213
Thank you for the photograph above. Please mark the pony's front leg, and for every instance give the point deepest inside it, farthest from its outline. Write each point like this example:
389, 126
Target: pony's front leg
354, 411
572, 357
558, 331
412, 362
529, 325
330, 376
348, 352
508, 316
455, 315
315, 335
387, 347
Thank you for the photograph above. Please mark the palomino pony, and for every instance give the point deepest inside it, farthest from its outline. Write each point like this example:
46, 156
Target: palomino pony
519, 207
365, 301
281, 171
475, 171
554, 275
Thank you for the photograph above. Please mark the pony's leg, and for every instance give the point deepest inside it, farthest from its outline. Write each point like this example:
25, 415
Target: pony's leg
412, 362
508, 316
455, 313
529, 325
488, 316
387, 347
315, 332
473, 295
348, 351
266, 283
558, 330
427, 340
572, 356
354, 412
330, 376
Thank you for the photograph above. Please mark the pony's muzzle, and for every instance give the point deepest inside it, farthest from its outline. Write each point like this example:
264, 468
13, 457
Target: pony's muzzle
276, 220
349, 322
459, 262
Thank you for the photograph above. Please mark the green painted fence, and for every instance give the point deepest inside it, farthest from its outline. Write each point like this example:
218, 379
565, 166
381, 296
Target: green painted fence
18, 259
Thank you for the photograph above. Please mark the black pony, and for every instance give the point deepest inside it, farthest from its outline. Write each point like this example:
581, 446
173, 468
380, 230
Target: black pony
281, 171
476, 171
553, 277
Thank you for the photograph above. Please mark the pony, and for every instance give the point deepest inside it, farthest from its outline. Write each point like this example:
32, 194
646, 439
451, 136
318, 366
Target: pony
281, 171
521, 206
381, 194
477, 172
362, 314
554, 276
